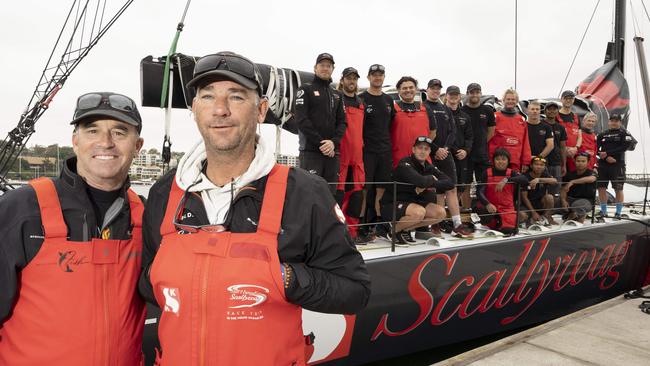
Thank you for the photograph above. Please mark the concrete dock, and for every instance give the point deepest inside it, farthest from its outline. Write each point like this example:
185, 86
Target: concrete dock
615, 332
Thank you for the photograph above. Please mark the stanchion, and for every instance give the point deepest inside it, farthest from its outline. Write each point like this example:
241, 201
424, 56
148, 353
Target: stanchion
518, 204
645, 198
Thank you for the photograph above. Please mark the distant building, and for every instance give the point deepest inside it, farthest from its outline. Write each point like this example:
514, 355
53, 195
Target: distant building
147, 159
289, 160
146, 172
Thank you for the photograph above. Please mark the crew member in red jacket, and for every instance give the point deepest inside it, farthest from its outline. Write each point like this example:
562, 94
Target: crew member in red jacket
511, 133
71, 250
352, 169
571, 124
589, 138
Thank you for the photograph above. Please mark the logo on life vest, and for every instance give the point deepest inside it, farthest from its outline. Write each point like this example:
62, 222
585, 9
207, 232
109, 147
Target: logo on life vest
512, 141
172, 300
246, 296
69, 259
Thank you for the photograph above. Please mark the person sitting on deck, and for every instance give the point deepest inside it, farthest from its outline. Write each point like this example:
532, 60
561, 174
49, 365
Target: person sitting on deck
536, 199
578, 189
496, 198
416, 202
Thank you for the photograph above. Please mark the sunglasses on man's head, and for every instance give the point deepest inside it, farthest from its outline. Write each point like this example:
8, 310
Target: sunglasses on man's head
94, 100
424, 139
377, 68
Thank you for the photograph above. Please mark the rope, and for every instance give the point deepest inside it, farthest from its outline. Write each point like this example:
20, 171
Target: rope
645, 10
167, 89
516, 19
578, 50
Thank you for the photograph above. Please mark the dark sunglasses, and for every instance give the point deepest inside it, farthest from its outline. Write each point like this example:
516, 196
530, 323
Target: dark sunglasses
585, 154
424, 139
192, 228
229, 62
539, 158
374, 68
93, 100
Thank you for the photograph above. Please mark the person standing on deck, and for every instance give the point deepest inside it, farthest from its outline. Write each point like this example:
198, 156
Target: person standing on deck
556, 159
511, 133
571, 124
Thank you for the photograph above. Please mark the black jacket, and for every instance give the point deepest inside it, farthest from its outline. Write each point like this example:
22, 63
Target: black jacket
319, 115
464, 133
415, 174
445, 126
330, 273
614, 143
21, 232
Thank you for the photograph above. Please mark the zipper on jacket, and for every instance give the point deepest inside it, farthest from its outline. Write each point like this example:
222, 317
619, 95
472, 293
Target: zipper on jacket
106, 315
204, 311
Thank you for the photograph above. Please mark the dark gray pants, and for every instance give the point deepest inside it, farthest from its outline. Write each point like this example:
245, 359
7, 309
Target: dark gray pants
321, 165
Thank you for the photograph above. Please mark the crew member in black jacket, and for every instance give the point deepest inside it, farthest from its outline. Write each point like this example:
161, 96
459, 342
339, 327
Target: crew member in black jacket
612, 145
416, 202
462, 147
442, 154
320, 116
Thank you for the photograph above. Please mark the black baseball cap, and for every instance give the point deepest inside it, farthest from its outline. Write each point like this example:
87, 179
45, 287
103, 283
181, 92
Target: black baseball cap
107, 104
551, 104
350, 70
568, 94
423, 139
376, 68
453, 89
434, 82
226, 65
616, 117
473, 86
325, 56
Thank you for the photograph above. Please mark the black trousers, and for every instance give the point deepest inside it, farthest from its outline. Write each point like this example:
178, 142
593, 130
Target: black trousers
323, 166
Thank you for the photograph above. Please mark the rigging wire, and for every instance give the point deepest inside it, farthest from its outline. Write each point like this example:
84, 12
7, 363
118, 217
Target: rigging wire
578, 50
516, 19
646, 10
636, 86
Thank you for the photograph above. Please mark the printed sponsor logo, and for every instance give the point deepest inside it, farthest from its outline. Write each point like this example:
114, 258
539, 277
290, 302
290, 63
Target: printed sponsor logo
246, 296
69, 260
300, 93
172, 300
316, 93
512, 141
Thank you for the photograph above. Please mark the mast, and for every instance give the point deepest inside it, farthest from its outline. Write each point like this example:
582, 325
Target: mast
616, 48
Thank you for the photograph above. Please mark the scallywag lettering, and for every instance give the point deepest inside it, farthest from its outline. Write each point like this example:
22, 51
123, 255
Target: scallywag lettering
552, 273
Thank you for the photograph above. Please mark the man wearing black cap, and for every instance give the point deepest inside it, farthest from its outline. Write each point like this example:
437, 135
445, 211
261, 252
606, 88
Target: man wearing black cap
462, 147
238, 243
415, 205
67, 284
445, 137
352, 176
556, 159
482, 117
571, 124
320, 117
611, 145
377, 157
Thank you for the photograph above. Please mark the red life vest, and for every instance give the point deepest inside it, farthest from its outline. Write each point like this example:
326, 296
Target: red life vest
589, 146
77, 303
352, 149
504, 200
511, 133
222, 294
572, 133
405, 128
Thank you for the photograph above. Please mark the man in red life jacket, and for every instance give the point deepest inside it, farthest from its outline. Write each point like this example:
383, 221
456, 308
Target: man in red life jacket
235, 244
511, 133
589, 138
71, 249
411, 120
571, 124
496, 204
352, 154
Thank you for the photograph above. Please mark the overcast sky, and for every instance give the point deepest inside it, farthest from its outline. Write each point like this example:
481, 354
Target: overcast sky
458, 42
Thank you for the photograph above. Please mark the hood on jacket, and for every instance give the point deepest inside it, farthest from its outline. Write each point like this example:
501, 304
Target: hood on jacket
217, 199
